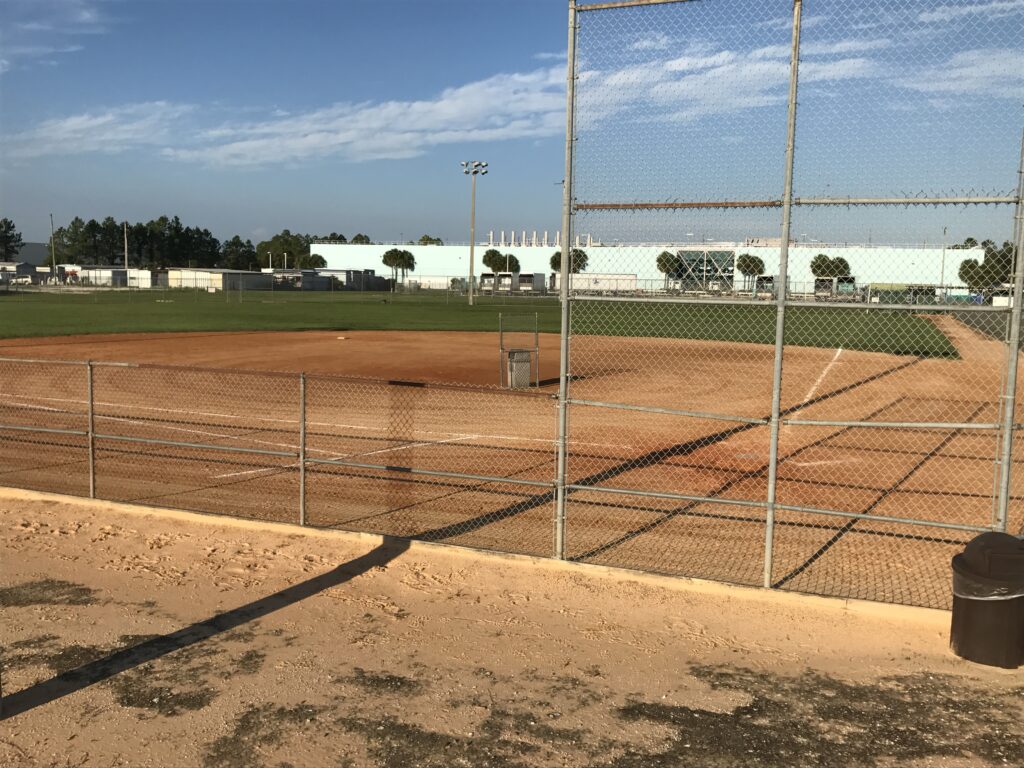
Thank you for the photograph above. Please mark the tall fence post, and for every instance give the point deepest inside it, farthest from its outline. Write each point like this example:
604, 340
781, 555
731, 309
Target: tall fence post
781, 289
92, 431
1009, 396
564, 272
302, 449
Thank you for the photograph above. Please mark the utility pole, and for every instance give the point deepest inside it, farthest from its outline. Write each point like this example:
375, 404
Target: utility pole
53, 252
126, 250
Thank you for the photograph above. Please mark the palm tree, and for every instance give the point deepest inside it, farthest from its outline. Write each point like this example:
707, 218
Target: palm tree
407, 263
668, 265
577, 264
749, 266
821, 265
393, 259
493, 259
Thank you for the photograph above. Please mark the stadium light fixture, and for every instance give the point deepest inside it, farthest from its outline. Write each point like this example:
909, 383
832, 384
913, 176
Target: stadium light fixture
472, 168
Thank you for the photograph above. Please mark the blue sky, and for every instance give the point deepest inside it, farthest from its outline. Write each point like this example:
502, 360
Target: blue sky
115, 107
248, 117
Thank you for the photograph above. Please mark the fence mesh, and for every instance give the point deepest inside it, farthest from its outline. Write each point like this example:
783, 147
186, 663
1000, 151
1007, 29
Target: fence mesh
454, 464
809, 389
55, 397
885, 453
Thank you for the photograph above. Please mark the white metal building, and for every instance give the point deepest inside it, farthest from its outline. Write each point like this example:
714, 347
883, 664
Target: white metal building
219, 279
869, 263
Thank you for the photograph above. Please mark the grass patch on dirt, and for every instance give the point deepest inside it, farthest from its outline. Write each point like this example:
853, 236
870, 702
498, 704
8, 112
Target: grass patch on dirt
257, 728
46, 592
815, 719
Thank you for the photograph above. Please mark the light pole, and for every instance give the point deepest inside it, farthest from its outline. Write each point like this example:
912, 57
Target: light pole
472, 168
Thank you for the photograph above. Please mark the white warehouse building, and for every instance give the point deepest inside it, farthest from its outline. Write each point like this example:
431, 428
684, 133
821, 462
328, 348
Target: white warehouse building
870, 264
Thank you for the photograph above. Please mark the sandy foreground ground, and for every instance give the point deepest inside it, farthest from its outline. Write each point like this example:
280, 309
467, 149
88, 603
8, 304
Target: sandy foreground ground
136, 637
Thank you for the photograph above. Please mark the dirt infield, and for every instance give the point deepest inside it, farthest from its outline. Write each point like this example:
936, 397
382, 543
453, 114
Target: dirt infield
447, 356
143, 638
394, 440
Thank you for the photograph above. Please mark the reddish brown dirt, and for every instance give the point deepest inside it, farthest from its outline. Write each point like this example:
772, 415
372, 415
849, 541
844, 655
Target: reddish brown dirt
464, 357
936, 474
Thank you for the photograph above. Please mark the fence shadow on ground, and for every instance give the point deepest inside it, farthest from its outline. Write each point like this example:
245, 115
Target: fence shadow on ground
127, 659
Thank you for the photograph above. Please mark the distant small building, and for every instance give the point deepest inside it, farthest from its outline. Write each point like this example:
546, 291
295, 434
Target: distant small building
356, 279
18, 272
311, 280
103, 276
219, 279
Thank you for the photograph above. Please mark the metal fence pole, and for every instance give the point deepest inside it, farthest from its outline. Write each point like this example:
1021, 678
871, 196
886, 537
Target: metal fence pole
780, 298
564, 271
302, 449
92, 432
1009, 396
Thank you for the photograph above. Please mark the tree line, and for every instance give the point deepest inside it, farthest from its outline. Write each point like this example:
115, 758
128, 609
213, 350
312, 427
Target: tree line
496, 261
166, 242
10, 240
673, 265
994, 270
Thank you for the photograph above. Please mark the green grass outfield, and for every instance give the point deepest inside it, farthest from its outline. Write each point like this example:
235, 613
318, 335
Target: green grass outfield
53, 314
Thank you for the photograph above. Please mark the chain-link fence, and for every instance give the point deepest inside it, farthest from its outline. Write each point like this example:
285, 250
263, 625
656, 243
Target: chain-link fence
462, 465
791, 360
793, 401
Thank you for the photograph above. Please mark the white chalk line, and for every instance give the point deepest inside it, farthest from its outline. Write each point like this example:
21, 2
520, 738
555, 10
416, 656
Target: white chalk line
332, 455
814, 388
336, 457
336, 425
824, 462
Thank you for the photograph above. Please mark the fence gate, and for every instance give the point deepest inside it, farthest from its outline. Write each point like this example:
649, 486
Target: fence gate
804, 373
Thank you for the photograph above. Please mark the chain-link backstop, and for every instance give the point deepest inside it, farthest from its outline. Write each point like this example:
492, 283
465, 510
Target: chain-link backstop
785, 397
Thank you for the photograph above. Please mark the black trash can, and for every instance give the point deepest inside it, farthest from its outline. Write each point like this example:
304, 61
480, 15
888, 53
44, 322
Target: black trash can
988, 601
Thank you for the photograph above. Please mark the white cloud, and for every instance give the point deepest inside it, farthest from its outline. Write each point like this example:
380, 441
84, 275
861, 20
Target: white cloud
36, 30
707, 82
994, 9
784, 23
551, 56
4, 65
22, 51
109, 131
703, 82
503, 107
658, 42
828, 48
693, 63
991, 72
